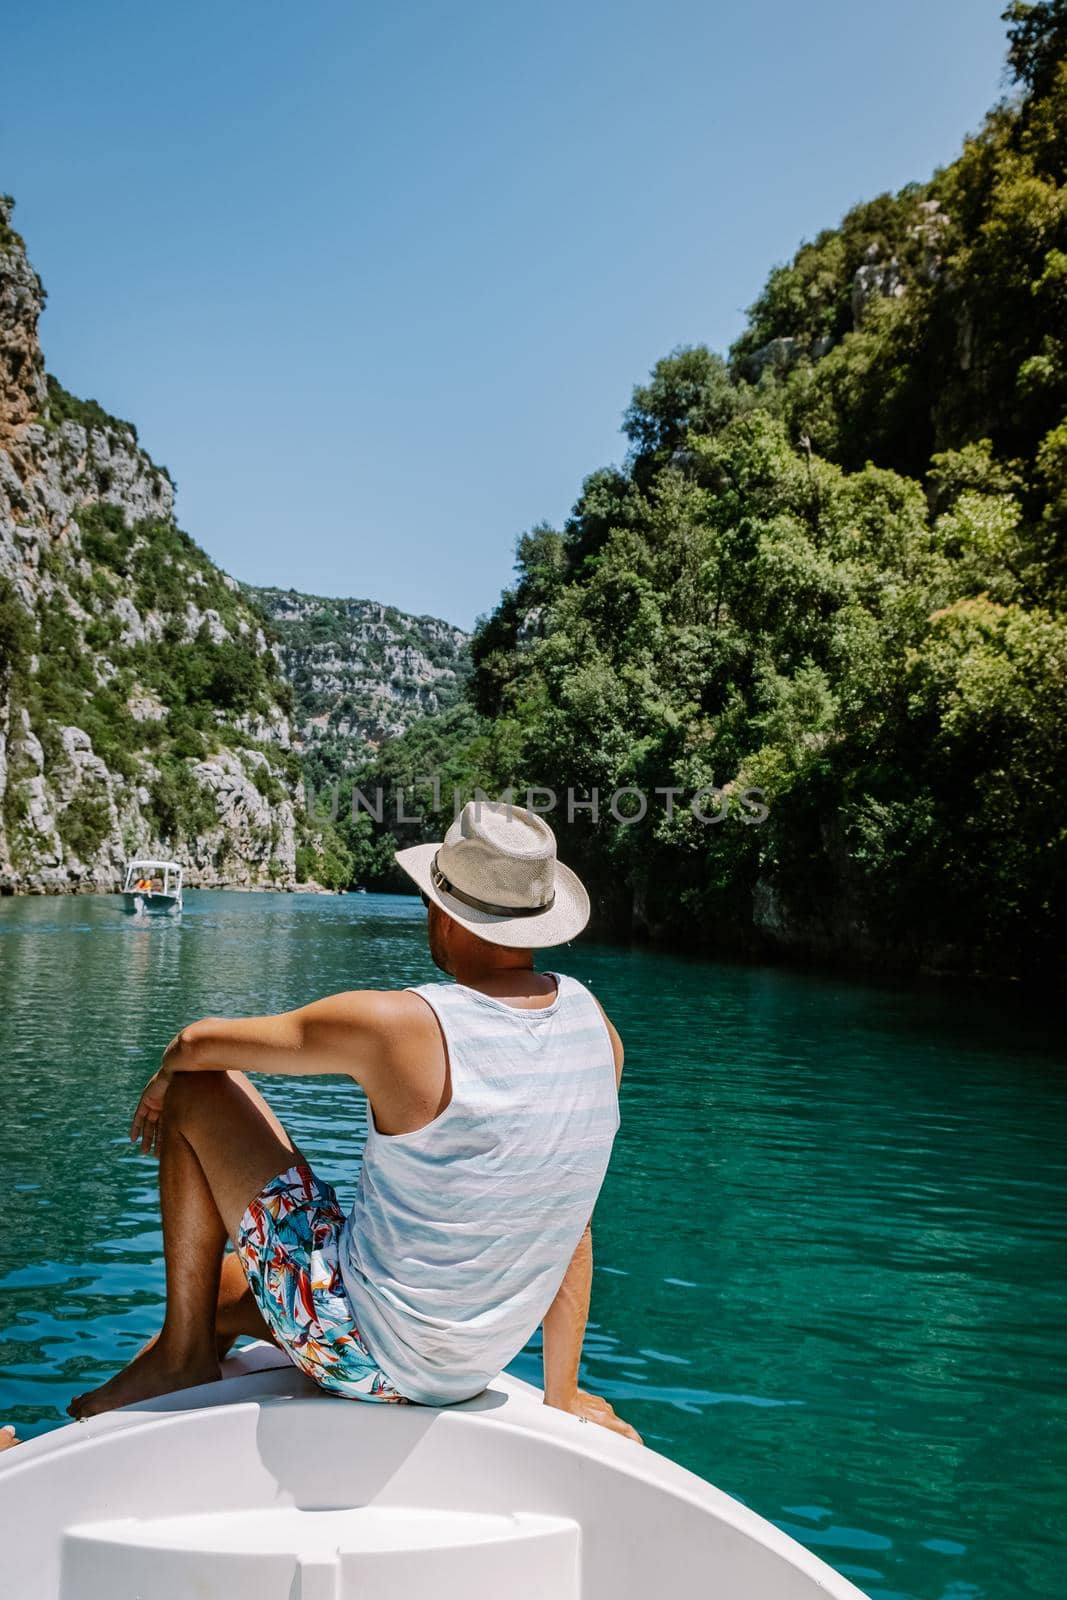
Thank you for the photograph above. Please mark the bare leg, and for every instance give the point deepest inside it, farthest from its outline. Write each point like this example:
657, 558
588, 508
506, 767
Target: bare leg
8, 1437
221, 1145
236, 1313
193, 1242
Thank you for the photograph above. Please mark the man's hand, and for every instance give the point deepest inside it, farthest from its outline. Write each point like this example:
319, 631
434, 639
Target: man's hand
147, 1124
591, 1408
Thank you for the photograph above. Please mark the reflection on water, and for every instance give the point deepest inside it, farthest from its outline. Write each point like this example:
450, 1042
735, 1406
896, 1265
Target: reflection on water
830, 1250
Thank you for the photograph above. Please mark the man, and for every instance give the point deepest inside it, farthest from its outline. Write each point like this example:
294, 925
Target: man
493, 1107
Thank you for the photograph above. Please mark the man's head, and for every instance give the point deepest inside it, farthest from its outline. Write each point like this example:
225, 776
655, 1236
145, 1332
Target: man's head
456, 949
495, 881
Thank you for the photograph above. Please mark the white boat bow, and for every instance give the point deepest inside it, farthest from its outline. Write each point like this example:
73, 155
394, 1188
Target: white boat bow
262, 1487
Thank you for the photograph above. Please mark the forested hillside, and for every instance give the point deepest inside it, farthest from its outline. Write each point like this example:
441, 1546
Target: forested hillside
361, 672
832, 567
148, 701
142, 706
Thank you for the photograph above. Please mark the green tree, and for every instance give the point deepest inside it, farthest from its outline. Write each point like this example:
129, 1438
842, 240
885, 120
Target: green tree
831, 568
1037, 42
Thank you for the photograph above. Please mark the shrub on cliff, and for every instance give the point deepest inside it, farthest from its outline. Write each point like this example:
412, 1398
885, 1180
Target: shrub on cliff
179, 804
83, 824
17, 636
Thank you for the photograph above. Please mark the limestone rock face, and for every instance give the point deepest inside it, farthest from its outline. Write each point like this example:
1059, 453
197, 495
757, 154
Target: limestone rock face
141, 705
875, 278
776, 354
929, 233
250, 831
361, 671
22, 382
144, 706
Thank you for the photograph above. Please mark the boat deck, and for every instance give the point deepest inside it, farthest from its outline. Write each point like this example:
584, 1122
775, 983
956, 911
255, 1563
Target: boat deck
262, 1487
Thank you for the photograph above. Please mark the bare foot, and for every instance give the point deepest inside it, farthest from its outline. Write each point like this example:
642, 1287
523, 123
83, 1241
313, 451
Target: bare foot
149, 1374
8, 1437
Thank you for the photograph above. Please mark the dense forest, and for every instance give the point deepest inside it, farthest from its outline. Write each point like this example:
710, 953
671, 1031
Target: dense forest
831, 568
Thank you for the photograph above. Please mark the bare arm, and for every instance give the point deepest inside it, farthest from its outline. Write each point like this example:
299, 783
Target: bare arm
342, 1034
563, 1329
345, 1033
562, 1333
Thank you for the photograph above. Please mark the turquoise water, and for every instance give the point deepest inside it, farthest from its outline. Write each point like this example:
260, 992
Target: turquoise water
830, 1249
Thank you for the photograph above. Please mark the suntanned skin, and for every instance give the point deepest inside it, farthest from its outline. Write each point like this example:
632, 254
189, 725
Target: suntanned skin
219, 1144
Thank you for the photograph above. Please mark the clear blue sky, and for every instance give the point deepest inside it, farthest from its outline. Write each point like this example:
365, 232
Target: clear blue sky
375, 283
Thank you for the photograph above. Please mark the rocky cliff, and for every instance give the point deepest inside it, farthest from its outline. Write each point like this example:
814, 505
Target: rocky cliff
361, 672
142, 706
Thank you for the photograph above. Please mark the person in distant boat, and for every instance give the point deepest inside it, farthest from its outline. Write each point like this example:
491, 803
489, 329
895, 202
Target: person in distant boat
493, 1105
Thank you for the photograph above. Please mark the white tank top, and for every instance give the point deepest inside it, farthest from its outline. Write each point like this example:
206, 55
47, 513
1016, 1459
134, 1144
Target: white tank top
462, 1231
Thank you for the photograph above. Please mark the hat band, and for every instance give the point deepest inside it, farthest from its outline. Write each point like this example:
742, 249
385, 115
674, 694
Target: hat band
446, 886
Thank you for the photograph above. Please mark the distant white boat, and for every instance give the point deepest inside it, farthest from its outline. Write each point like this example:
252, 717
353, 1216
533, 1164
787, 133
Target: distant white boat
152, 886
262, 1487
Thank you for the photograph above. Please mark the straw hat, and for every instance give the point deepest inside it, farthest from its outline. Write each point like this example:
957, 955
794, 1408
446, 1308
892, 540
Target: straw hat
497, 874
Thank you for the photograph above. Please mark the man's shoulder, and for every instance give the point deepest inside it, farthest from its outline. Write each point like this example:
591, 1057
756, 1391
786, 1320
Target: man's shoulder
387, 1028
372, 1011
380, 1007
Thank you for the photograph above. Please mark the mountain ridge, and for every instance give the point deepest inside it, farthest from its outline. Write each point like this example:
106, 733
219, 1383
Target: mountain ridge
361, 670
143, 700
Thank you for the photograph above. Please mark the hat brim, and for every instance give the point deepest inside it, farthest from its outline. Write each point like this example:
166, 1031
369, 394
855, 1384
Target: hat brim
563, 920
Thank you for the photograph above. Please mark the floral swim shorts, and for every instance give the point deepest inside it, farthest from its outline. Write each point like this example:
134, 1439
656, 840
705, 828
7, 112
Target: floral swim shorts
288, 1245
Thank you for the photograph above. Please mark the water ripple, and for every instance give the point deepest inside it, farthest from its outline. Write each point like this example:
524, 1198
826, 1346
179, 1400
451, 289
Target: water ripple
829, 1254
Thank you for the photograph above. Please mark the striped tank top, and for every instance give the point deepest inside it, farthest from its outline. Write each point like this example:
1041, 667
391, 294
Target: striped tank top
462, 1231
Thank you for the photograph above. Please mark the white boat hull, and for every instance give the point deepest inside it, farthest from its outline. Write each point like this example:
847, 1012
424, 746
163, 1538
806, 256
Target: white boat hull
141, 904
263, 1488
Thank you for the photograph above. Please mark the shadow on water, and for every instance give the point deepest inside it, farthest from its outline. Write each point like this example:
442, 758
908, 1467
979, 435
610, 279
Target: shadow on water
830, 1249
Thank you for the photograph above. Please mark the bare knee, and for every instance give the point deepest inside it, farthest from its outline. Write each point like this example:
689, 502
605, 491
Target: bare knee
209, 1103
191, 1092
